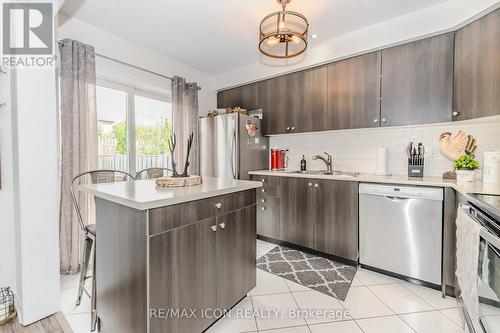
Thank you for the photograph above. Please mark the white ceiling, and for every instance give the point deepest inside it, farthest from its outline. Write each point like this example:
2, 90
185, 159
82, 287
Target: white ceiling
220, 35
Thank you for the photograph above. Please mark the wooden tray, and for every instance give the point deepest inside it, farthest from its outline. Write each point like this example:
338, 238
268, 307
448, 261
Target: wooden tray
178, 181
9, 318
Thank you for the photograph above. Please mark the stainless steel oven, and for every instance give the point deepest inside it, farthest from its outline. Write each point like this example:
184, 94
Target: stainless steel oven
488, 281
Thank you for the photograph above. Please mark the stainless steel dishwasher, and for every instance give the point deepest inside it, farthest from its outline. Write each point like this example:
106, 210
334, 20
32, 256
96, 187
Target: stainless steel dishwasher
400, 230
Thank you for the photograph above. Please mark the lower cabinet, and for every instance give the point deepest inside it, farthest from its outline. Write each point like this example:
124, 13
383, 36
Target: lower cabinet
321, 215
208, 264
333, 211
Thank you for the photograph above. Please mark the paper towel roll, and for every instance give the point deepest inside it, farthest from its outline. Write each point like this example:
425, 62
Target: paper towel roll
382, 161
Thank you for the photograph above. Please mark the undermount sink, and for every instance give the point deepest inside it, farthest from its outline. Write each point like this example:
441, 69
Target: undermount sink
326, 173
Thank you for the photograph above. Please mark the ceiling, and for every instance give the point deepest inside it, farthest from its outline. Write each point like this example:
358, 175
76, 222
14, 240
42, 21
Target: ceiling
216, 36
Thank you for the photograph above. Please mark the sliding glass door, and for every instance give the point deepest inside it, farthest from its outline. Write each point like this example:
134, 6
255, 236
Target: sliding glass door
133, 128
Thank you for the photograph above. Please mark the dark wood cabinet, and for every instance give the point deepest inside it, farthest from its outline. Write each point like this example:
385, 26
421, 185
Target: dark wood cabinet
354, 93
246, 97
294, 226
236, 254
333, 210
417, 82
268, 206
477, 69
321, 215
184, 262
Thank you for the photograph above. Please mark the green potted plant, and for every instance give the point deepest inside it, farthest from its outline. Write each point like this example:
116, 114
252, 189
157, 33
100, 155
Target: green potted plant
465, 166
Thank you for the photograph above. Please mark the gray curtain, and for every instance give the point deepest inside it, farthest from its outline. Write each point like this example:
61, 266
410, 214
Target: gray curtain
185, 119
78, 142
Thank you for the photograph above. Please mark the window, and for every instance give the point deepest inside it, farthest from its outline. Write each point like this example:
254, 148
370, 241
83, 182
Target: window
133, 125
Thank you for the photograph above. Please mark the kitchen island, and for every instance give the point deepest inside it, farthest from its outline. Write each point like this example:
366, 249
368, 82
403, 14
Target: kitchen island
172, 259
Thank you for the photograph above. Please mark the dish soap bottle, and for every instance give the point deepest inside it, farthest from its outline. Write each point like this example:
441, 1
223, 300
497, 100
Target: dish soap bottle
303, 163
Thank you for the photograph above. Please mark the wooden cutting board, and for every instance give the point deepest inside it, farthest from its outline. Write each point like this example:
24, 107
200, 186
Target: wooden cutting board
178, 181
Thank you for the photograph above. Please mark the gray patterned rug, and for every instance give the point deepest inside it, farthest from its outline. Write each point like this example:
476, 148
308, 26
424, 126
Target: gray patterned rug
318, 273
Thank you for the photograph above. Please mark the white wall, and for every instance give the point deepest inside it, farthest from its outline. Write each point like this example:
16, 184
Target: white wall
356, 150
36, 192
429, 21
121, 49
7, 243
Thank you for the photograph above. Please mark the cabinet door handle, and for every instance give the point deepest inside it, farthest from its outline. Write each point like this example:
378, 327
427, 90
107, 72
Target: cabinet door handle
214, 228
455, 113
263, 200
293, 128
288, 128
310, 184
218, 205
384, 120
263, 180
263, 208
222, 225
316, 185
263, 190
375, 120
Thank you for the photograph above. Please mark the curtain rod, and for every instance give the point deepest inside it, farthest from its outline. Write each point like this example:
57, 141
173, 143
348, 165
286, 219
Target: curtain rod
129, 65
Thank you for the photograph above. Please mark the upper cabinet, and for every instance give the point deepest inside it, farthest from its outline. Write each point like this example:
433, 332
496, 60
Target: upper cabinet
477, 69
245, 97
354, 93
417, 82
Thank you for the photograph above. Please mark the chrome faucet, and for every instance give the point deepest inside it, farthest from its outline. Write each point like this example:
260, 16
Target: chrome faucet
327, 160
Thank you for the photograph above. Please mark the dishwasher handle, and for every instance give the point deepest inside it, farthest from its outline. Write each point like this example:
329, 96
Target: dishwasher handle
396, 199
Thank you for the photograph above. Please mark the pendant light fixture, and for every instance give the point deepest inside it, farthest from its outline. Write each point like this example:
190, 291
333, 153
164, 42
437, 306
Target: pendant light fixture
283, 34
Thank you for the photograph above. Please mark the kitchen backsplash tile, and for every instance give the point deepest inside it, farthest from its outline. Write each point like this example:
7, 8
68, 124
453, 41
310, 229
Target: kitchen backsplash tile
356, 150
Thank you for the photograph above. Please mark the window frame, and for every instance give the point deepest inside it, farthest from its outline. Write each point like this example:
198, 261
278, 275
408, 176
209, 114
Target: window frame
131, 92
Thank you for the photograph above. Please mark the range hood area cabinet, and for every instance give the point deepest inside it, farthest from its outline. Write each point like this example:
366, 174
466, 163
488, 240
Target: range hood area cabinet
477, 69
453, 76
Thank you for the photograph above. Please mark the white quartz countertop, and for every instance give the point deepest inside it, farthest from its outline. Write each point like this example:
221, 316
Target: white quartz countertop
464, 188
144, 194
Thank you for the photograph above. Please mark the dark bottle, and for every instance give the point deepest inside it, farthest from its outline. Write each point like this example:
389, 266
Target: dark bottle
303, 163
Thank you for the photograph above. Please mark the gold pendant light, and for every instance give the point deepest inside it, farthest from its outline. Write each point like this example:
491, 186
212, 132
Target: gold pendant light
283, 34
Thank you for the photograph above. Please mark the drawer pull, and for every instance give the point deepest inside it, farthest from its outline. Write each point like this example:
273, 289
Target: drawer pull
263, 200
218, 205
316, 185
310, 184
222, 225
263, 180
214, 228
263, 208
263, 190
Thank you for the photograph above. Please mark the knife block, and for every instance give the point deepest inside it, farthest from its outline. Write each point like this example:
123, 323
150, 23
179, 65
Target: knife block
416, 170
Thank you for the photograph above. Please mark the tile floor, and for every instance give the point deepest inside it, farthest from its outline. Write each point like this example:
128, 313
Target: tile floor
375, 304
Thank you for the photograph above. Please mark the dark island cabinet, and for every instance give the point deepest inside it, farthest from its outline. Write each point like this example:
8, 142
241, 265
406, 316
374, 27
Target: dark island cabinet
477, 69
321, 215
417, 82
354, 93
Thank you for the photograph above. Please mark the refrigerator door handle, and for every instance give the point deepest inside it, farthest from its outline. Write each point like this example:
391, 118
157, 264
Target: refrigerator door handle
233, 161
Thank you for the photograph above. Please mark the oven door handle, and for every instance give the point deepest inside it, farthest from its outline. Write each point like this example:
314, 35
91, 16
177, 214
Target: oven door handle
484, 233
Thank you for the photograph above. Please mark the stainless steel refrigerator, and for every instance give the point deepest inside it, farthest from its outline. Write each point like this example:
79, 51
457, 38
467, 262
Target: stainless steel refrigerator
231, 145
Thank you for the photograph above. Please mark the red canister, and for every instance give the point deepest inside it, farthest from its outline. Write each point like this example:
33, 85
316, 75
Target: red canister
278, 159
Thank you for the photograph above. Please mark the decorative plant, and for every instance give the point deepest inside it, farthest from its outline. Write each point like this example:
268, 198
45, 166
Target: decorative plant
172, 143
466, 162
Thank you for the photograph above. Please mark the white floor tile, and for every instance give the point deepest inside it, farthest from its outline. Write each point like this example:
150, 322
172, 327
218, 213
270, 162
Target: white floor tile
70, 281
68, 302
233, 323
431, 322
271, 245
262, 248
269, 284
325, 308
277, 311
455, 315
370, 278
337, 327
356, 283
80, 323
432, 296
390, 324
362, 303
299, 329
400, 299
296, 286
